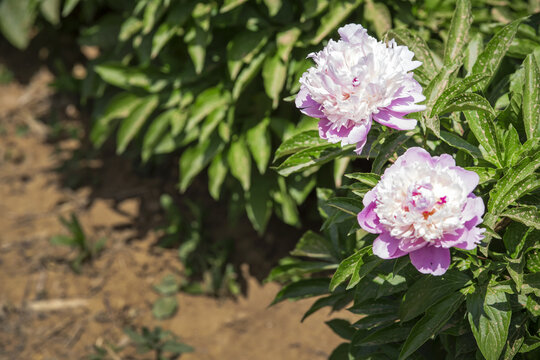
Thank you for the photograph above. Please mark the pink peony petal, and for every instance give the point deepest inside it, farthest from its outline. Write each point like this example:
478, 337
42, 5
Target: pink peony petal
368, 220
445, 160
394, 120
386, 247
473, 211
431, 260
307, 105
470, 178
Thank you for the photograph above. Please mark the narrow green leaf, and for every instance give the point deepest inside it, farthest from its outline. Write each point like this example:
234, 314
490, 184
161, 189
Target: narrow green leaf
195, 158
259, 203
431, 323
469, 101
489, 60
458, 35
240, 162
216, 175
64, 240
259, 143
362, 269
302, 289
338, 12
243, 48
163, 35
230, 5
274, 73
483, 128
458, 88
531, 97
208, 101
197, 46
299, 142
391, 144
248, 73
212, 121
134, 122
314, 156
433, 91
528, 215
489, 316
120, 106
369, 179
474, 48
313, 245
460, 143
155, 132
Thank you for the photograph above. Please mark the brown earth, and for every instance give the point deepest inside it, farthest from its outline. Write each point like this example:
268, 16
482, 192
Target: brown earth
49, 312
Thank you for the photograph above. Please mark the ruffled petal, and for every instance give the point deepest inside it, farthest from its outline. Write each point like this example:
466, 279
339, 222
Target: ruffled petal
394, 120
473, 211
470, 178
445, 160
431, 260
414, 154
409, 245
386, 247
368, 219
307, 105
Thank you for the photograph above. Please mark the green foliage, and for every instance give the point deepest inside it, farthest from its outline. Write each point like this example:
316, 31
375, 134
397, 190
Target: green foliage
86, 249
482, 104
206, 261
164, 344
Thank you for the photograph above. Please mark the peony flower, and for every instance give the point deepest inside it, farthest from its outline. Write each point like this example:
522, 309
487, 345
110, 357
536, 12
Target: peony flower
423, 206
356, 80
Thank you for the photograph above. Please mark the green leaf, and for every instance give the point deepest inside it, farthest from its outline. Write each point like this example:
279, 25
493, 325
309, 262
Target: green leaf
230, 4
489, 60
314, 246
514, 239
433, 91
259, 203
175, 347
299, 142
51, 10
243, 48
458, 88
69, 5
379, 16
474, 48
198, 38
428, 291
431, 323
348, 205
164, 307
195, 158
458, 35
212, 121
314, 156
346, 268
391, 144
260, 145
369, 179
489, 316
362, 269
338, 12
274, 74
240, 162
135, 121
469, 101
209, 100
419, 47
248, 73
168, 285
531, 97
302, 289
386, 335
16, 19
273, 6
120, 106
528, 215
217, 171
163, 35
63, 240
156, 131
512, 147
514, 183
460, 143
341, 327
483, 128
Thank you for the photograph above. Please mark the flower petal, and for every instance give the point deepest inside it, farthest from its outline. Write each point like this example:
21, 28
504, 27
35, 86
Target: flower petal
307, 105
470, 178
394, 120
431, 260
368, 220
473, 211
474, 236
409, 245
386, 247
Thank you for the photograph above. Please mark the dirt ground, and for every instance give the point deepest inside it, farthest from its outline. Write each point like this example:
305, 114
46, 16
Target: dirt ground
49, 312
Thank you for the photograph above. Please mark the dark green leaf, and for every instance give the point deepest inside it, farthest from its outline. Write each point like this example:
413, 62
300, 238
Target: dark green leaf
259, 143
365, 178
469, 101
259, 203
314, 156
313, 245
391, 144
431, 323
134, 122
216, 175
303, 288
458, 88
300, 142
483, 128
528, 215
240, 162
531, 97
338, 12
341, 327
194, 159
346, 268
460, 143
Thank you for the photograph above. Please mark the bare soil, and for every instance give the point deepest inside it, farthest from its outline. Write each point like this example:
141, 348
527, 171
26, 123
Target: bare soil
49, 312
